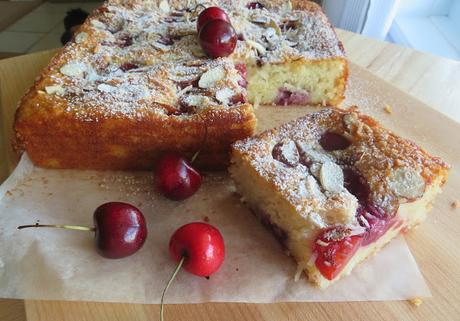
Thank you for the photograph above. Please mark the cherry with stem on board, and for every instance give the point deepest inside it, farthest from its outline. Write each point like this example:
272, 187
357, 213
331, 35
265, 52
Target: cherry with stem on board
120, 229
198, 248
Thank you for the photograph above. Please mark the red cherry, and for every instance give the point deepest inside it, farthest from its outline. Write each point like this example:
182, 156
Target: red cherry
201, 244
176, 178
199, 248
217, 38
333, 141
334, 254
209, 14
120, 229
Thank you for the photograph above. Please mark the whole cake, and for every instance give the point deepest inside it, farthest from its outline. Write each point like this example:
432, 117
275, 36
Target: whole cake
335, 187
134, 82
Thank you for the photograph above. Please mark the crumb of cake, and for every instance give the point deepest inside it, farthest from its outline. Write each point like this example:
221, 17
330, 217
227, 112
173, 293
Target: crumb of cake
416, 301
455, 204
8, 193
388, 109
206, 219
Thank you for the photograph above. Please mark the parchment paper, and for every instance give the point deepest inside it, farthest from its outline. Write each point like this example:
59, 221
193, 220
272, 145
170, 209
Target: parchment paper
63, 265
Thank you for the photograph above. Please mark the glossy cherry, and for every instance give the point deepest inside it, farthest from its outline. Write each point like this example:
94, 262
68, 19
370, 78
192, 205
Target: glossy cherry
199, 248
120, 229
201, 244
209, 14
175, 177
217, 38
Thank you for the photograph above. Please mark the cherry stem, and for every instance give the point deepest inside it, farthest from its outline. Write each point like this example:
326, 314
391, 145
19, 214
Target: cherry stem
67, 227
176, 270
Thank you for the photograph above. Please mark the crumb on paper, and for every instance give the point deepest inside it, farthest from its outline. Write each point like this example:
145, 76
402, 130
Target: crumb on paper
455, 204
206, 219
8, 193
416, 301
388, 109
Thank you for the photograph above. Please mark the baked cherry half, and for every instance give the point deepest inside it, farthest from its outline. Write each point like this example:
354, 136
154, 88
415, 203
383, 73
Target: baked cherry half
209, 14
217, 38
332, 141
334, 253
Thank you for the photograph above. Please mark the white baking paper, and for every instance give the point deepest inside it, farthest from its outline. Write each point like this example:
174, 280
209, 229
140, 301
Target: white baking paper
55, 264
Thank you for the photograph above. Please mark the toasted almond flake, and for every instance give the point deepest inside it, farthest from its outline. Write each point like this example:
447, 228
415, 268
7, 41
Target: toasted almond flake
257, 46
81, 37
106, 88
406, 182
388, 109
298, 273
455, 204
364, 221
97, 24
331, 177
321, 242
211, 77
416, 301
160, 46
55, 89
164, 6
312, 259
224, 95
73, 69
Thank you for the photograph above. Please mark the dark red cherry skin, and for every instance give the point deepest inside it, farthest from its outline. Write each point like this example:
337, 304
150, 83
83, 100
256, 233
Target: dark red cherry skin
209, 14
332, 141
120, 229
217, 38
176, 178
201, 244
254, 5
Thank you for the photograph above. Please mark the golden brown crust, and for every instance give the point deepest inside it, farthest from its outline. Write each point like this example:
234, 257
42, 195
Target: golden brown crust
381, 157
71, 118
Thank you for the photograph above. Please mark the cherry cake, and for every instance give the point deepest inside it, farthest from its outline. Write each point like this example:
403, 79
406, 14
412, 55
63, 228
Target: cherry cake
335, 187
135, 82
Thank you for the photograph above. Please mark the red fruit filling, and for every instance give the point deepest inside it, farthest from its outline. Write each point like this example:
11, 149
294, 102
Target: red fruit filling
356, 185
332, 141
375, 223
286, 97
128, 66
334, 254
241, 67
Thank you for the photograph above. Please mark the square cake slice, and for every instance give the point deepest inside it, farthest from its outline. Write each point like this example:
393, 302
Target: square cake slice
335, 187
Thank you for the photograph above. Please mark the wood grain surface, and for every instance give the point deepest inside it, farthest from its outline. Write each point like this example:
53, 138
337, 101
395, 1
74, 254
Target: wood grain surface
433, 80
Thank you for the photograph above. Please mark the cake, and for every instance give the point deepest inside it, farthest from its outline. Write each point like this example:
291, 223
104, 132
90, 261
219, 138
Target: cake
335, 187
134, 83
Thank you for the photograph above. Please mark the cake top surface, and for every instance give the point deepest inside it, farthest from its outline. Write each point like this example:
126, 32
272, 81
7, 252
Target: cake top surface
336, 161
132, 58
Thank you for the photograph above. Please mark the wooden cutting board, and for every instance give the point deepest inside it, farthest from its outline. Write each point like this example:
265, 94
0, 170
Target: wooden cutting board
434, 244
